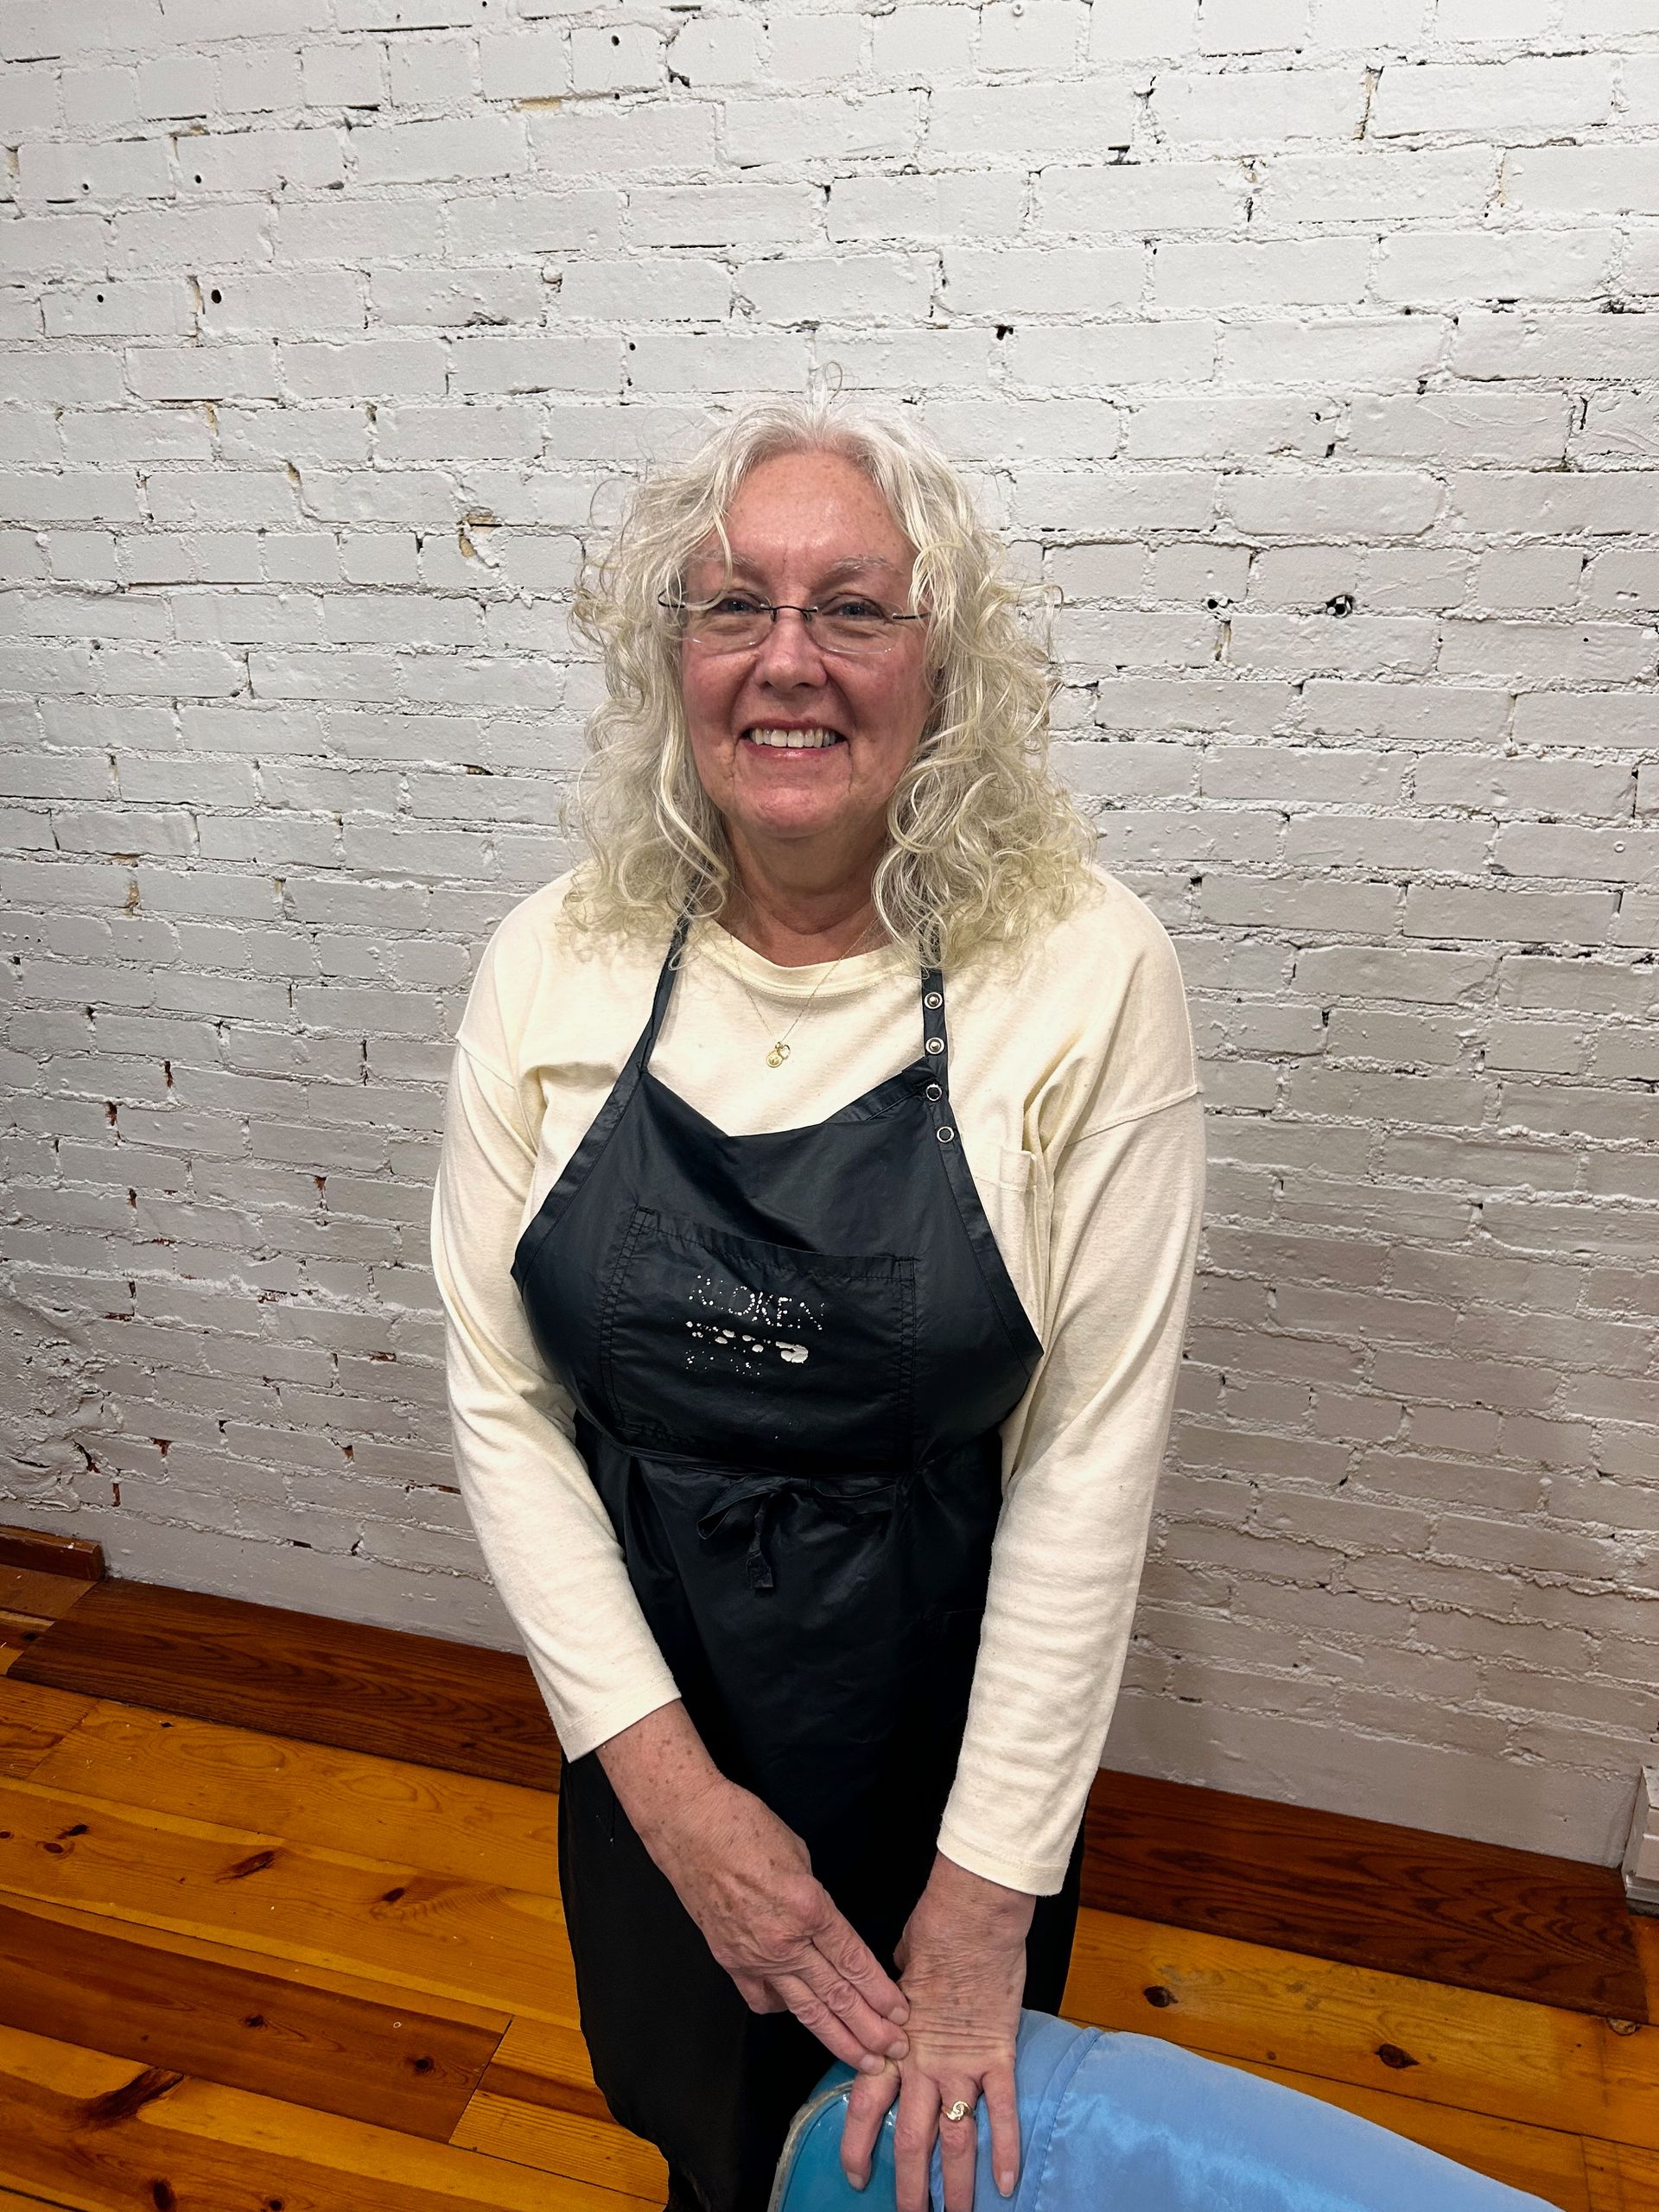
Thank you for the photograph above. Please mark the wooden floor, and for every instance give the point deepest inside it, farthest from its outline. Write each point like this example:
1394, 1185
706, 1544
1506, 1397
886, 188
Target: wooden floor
279, 1935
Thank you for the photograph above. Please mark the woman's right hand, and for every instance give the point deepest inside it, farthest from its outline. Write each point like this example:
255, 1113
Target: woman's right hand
746, 1878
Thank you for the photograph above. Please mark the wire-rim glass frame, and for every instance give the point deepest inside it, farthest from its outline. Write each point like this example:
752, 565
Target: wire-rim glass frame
702, 626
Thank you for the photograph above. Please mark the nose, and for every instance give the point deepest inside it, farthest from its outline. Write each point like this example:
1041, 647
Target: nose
788, 654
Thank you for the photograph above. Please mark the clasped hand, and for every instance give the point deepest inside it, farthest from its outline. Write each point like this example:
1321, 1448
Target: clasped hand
746, 1879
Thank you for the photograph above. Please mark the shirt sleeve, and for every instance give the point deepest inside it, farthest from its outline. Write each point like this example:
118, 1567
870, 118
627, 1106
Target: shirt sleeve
1071, 1539
546, 1537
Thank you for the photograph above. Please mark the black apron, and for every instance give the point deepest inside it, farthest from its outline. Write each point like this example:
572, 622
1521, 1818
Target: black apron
790, 1356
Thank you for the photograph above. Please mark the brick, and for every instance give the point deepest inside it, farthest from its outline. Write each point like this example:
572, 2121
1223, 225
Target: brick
834, 128
1248, 109
1373, 185
814, 49
260, 161
524, 65
723, 215
1300, 272
719, 50
1555, 345
1456, 266
1109, 355
880, 288
1506, 428
420, 153
973, 204
1017, 118
1142, 197
1517, 95
1032, 281
1398, 502
1356, 350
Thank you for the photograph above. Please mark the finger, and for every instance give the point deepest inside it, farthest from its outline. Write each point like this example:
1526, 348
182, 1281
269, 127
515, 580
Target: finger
758, 1993
958, 2145
1002, 2109
853, 1959
830, 2029
867, 2102
850, 2006
914, 2128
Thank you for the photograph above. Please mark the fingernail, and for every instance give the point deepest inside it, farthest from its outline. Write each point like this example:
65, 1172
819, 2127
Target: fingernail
1005, 2182
858, 2180
897, 2048
871, 2064
901, 2013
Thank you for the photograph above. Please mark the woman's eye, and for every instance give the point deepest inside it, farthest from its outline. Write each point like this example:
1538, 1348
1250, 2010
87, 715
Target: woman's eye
857, 610
735, 602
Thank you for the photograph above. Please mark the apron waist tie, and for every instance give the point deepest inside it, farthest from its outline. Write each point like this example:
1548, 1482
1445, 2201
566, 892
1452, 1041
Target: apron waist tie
759, 1495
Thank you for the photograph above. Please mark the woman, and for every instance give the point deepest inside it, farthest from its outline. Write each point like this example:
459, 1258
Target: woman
815, 1222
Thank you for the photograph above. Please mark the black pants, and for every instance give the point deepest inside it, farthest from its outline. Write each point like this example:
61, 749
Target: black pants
678, 2055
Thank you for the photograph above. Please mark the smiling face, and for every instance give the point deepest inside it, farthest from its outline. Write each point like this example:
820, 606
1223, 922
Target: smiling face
804, 527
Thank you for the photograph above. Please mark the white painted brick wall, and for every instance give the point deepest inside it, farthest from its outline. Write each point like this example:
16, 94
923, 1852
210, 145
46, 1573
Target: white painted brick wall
1310, 350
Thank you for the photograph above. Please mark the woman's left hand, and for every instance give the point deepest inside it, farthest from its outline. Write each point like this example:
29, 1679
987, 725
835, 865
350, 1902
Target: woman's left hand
962, 1967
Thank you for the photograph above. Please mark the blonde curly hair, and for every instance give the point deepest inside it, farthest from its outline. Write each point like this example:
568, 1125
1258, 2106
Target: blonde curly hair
984, 846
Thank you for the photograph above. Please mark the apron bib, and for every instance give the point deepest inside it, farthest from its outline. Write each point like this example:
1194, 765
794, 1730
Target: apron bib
790, 1356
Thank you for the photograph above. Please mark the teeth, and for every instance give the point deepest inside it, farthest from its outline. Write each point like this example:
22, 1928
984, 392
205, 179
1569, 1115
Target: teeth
796, 741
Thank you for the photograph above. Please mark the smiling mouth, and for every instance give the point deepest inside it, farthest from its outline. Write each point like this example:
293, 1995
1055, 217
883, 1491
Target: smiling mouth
793, 741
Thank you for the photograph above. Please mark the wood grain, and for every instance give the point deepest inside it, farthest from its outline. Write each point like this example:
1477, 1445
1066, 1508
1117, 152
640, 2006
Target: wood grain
34, 1722
49, 1597
391, 1809
431, 1933
388, 2058
1622, 2179
1402, 1900
95, 2133
1437, 2044
417, 1697
42, 1552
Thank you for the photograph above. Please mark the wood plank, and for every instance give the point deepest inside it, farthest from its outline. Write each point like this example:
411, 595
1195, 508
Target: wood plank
34, 1722
104, 2137
417, 1697
308, 1972
29, 1590
1435, 2043
387, 2058
556, 2141
1621, 2179
311, 1793
396, 1924
1549, 2163
42, 1552
1400, 1900
545, 2062
12, 2201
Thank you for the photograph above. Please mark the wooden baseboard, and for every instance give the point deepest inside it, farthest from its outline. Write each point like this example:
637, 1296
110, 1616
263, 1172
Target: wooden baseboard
42, 1552
1640, 1866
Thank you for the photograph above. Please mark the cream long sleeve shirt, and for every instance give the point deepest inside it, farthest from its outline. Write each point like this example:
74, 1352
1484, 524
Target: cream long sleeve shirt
1074, 1092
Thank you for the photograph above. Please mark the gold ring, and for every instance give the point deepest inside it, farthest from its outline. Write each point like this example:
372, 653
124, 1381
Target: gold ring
957, 2111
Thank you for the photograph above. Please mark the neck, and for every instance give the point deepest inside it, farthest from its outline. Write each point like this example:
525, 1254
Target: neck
793, 916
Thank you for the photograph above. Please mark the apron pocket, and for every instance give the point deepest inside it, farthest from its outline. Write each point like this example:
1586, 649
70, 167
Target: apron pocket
714, 1346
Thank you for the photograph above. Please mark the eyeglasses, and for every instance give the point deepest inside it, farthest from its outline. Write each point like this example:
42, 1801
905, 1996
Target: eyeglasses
738, 622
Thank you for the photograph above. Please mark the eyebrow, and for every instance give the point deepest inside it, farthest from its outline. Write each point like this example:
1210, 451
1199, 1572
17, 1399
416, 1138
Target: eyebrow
851, 566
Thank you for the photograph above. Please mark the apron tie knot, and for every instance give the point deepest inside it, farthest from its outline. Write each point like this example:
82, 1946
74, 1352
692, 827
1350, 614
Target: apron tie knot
759, 1495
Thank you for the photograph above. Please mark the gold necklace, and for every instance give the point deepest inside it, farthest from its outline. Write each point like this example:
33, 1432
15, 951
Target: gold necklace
779, 1052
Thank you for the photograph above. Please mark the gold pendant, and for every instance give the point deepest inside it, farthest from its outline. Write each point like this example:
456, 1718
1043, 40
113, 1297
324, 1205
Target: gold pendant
778, 1055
